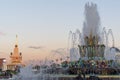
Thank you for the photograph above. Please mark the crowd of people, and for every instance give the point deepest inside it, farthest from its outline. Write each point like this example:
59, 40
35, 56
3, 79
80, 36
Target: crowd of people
91, 66
5, 74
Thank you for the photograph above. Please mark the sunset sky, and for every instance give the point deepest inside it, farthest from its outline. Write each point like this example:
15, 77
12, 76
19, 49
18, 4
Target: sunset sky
43, 25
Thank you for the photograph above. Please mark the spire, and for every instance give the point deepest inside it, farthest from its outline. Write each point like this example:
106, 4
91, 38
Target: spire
16, 43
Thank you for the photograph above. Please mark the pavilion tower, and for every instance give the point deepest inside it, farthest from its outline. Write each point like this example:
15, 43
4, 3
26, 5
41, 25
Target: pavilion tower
15, 57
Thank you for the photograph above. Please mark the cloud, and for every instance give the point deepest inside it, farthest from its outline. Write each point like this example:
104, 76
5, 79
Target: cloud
36, 47
59, 50
1, 33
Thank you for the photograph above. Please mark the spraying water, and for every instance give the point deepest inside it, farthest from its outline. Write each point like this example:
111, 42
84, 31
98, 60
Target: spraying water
91, 24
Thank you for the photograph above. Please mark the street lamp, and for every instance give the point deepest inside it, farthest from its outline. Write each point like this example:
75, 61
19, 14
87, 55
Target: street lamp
4, 60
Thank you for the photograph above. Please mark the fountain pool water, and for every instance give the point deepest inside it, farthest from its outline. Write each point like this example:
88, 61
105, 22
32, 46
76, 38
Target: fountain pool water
28, 73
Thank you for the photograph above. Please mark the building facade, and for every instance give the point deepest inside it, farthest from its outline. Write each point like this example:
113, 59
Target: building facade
2, 64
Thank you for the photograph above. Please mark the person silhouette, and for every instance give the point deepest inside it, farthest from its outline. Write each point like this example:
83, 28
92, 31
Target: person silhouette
79, 77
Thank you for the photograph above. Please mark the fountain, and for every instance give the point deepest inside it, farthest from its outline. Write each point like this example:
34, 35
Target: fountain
94, 42
94, 46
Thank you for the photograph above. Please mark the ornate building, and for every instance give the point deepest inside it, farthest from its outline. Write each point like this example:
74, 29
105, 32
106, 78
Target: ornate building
16, 58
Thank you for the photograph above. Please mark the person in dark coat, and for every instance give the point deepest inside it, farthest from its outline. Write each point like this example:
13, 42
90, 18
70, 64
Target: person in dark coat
79, 77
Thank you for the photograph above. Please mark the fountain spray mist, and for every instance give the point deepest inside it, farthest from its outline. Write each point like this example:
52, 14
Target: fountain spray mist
91, 24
